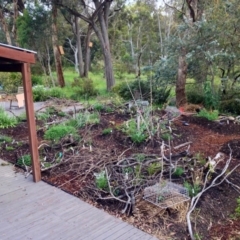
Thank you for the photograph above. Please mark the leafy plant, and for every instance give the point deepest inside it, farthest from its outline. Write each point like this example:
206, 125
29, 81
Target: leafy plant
210, 115
153, 168
9, 148
200, 158
131, 129
107, 131
11, 81
179, 171
211, 98
98, 107
83, 87
83, 119
5, 139
5, 120
142, 88
101, 180
237, 209
140, 157
166, 136
56, 133
25, 160
193, 189
40, 93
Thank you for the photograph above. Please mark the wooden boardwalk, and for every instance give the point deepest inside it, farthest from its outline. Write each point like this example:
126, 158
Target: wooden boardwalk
31, 210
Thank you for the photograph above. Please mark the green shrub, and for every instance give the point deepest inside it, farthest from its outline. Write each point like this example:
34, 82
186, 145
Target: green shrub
9, 148
210, 115
11, 81
141, 87
83, 87
40, 93
5, 139
153, 168
179, 171
56, 133
211, 97
193, 189
6, 121
237, 209
136, 135
230, 106
82, 119
195, 94
25, 160
107, 131
98, 107
37, 80
56, 92
101, 180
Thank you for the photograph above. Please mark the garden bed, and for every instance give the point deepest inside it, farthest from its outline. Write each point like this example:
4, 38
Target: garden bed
106, 151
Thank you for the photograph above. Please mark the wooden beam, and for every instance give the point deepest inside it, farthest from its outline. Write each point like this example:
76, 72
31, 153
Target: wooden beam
17, 55
13, 67
31, 121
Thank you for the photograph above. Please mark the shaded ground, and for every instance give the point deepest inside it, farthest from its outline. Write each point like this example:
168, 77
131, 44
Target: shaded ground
212, 218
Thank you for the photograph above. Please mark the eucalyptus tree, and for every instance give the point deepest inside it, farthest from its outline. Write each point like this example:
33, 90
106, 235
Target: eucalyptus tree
34, 33
134, 35
9, 12
96, 13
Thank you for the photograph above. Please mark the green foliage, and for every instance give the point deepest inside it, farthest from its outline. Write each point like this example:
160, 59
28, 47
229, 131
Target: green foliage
84, 118
101, 180
140, 157
98, 107
6, 121
166, 136
9, 148
11, 81
195, 94
83, 87
40, 93
37, 80
5, 139
56, 133
179, 171
193, 189
136, 135
107, 131
230, 106
237, 209
25, 160
141, 89
200, 158
210, 115
211, 98
154, 168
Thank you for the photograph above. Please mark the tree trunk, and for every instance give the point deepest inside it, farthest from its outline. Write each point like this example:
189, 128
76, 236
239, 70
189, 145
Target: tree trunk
79, 48
57, 56
87, 52
105, 45
181, 98
5, 27
14, 28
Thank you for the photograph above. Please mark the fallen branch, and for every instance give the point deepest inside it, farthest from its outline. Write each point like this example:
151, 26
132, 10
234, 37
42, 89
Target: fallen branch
214, 183
182, 145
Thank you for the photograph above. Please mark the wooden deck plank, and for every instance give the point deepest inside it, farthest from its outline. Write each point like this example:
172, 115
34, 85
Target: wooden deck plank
40, 211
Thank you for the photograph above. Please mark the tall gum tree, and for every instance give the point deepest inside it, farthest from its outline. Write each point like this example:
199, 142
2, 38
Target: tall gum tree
96, 13
57, 55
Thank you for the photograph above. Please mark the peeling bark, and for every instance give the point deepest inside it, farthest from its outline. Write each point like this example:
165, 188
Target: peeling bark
181, 98
57, 56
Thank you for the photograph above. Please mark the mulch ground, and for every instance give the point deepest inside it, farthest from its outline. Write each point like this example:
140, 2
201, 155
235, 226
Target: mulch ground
212, 220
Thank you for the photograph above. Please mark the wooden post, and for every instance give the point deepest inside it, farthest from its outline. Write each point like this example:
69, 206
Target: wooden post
31, 121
